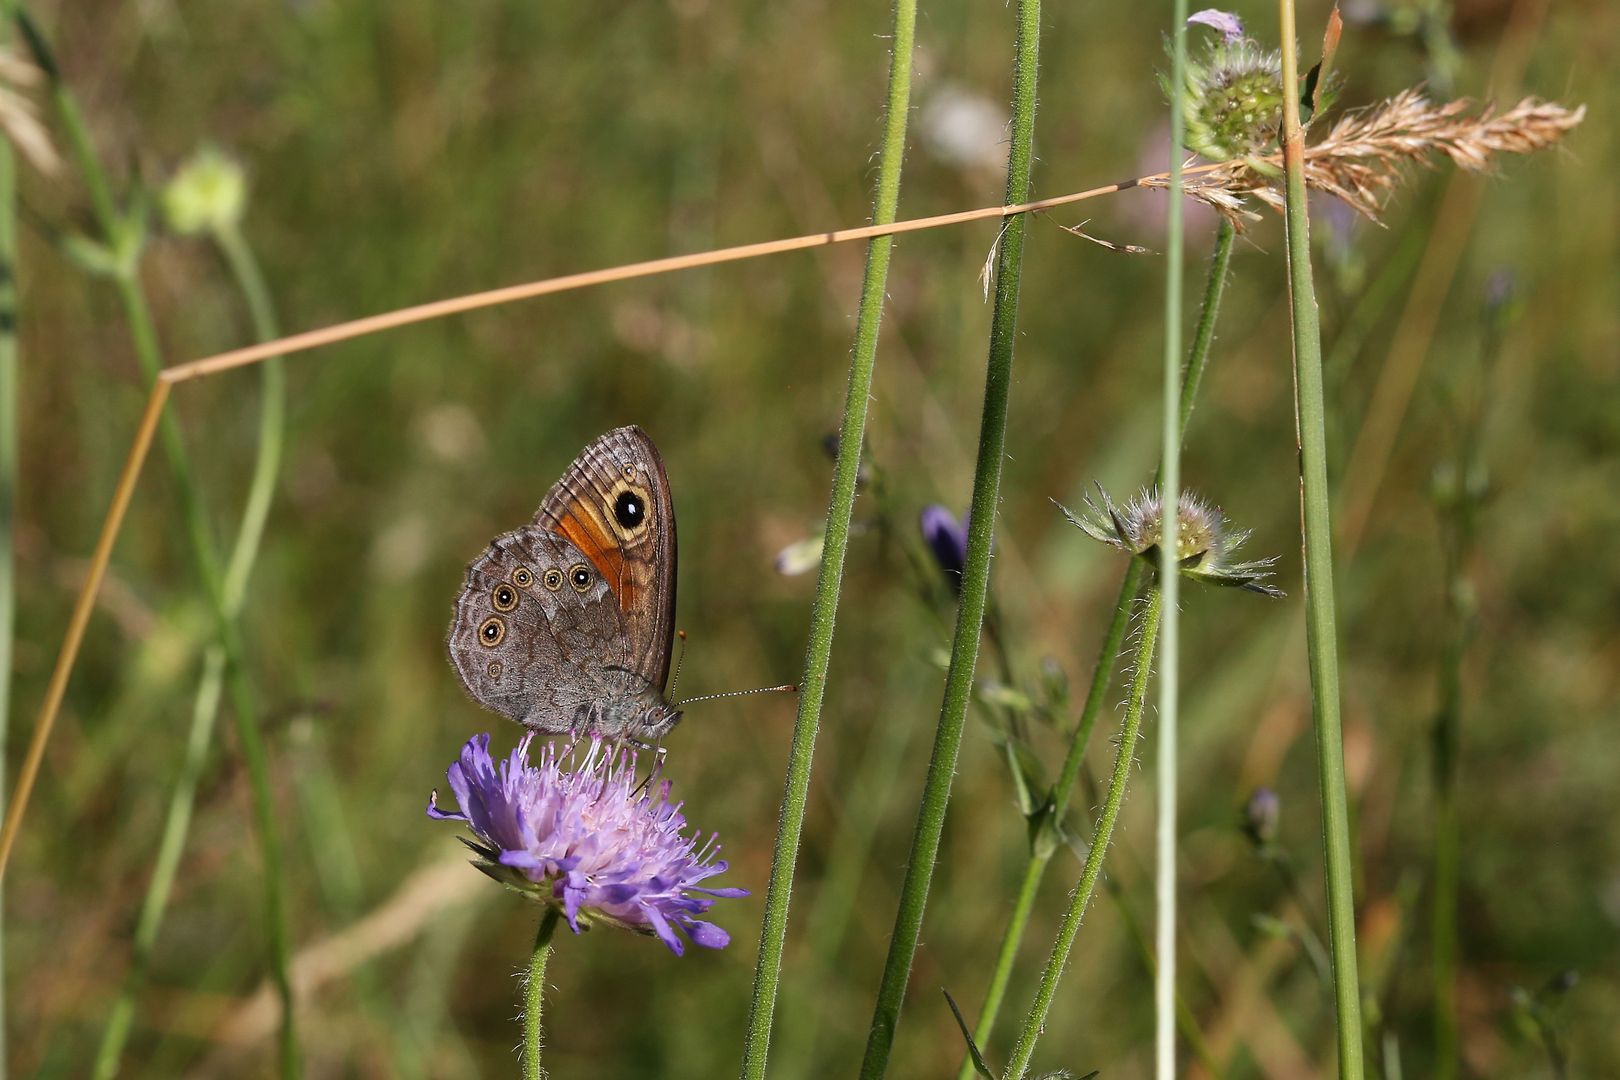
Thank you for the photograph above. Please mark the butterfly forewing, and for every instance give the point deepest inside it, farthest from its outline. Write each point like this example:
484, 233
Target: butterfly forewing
613, 505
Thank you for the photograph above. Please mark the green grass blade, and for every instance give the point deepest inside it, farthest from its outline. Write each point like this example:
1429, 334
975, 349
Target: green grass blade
1321, 635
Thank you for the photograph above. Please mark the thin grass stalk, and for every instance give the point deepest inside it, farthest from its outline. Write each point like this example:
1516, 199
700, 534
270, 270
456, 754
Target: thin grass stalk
1186, 1022
1124, 759
829, 579
1164, 877
456, 305
10, 389
205, 706
534, 996
975, 584
176, 826
1102, 673
1321, 637
114, 226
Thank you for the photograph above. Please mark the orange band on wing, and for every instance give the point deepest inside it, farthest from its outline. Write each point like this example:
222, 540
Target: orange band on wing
601, 547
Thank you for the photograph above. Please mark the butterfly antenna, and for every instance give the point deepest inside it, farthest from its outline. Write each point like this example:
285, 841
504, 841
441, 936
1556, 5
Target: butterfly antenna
788, 689
680, 659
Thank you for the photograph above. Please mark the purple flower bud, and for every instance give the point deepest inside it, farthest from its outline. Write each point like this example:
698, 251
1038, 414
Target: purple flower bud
947, 539
1262, 815
580, 832
1230, 26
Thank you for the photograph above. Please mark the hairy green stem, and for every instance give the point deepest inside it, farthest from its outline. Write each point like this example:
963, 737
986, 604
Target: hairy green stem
1321, 636
1124, 759
205, 708
534, 995
840, 510
117, 232
1102, 674
1164, 876
971, 607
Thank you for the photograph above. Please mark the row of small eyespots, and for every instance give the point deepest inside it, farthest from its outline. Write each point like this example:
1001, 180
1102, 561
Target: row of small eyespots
493, 630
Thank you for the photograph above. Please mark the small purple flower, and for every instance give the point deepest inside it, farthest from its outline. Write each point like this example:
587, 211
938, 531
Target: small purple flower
579, 831
1230, 26
947, 539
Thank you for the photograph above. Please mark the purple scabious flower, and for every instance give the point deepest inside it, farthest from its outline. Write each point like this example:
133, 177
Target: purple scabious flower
580, 832
947, 539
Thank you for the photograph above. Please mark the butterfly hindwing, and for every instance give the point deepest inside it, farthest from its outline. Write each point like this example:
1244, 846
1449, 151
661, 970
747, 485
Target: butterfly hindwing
532, 651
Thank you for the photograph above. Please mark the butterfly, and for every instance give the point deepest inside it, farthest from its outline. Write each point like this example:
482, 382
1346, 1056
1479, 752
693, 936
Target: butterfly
567, 624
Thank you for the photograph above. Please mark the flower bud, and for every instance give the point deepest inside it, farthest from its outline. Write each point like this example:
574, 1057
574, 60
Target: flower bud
207, 194
1232, 97
1262, 816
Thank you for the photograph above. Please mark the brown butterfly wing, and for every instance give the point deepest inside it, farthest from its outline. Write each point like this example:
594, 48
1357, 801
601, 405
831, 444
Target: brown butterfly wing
613, 505
532, 640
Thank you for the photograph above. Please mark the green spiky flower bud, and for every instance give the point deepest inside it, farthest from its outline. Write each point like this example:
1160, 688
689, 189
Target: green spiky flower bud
1232, 99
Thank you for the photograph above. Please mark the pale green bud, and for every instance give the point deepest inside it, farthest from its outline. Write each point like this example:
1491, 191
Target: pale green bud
207, 194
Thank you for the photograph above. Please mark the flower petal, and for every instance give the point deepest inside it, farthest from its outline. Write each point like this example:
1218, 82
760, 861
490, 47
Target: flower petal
707, 935
1230, 26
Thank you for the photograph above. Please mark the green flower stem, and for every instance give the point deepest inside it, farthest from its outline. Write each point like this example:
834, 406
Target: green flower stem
10, 388
976, 572
840, 510
1320, 637
176, 825
205, 706
116, 229
534, 995
1164, 876
1102, 674
1124, 758
272, 415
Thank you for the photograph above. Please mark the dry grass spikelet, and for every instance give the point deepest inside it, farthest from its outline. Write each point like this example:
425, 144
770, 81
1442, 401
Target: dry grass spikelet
19, 116
1364, 156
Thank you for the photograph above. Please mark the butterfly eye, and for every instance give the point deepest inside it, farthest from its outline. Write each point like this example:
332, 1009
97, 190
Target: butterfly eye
492, 632
504, 597
522, 578
580, 577
553, 579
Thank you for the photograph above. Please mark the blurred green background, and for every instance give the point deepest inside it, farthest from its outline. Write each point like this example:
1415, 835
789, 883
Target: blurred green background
407, 151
